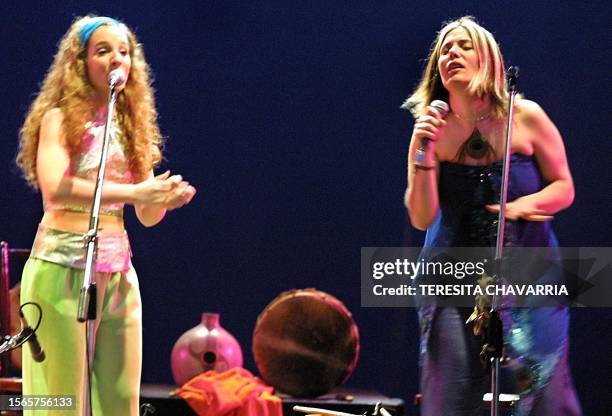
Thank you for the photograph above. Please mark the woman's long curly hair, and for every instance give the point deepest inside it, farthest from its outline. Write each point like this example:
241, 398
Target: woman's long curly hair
68, 88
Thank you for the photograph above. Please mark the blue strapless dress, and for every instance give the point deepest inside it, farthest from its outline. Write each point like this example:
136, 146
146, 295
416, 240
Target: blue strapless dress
535, 339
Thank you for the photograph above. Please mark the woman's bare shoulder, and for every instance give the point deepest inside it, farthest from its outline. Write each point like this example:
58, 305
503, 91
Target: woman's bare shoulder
54, 114
530, 112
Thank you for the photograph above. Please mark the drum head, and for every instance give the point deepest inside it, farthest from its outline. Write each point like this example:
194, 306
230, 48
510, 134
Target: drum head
305, 343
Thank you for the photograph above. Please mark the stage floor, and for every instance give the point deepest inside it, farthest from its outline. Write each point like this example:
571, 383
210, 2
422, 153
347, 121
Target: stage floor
343, 399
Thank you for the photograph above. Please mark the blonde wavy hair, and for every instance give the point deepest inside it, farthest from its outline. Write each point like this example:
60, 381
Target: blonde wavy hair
67, 87
489, 80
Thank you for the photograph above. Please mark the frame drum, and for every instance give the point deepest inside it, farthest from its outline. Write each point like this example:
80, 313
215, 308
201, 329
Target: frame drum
305, 343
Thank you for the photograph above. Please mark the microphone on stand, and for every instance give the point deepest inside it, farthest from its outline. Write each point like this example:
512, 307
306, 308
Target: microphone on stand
116, 77
443, 109
27, 332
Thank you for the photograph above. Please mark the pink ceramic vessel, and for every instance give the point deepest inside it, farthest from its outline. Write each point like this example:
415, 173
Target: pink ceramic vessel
205, 347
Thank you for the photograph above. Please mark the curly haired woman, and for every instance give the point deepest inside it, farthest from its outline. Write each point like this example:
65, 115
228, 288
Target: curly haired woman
60, 145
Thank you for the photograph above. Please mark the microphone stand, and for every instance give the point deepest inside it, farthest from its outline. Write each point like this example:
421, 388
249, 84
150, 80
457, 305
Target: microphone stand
494, 333
88, 295
13, 342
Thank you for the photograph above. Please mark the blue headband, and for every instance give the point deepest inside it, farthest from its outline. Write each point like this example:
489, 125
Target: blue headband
90, 27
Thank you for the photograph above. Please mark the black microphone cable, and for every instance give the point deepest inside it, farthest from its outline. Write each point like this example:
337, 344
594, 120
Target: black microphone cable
29, 334
25, 335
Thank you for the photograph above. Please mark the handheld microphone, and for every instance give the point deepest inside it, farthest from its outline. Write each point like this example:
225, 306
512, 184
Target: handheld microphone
37, 352
441, 106
116, 77
443, 109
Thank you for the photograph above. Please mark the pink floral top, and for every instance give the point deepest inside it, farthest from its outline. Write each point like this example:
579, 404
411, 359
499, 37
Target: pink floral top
85, 165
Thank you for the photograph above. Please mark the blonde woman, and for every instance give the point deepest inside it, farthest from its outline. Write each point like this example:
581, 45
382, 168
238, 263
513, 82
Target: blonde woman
60, 144
453, 188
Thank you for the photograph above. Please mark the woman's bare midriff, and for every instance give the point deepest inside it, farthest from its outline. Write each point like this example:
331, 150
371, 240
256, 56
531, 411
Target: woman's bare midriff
78, 222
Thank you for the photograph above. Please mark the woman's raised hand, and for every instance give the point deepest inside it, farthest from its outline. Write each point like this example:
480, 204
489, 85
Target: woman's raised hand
521, 208
428, 126
180, 195
171, 192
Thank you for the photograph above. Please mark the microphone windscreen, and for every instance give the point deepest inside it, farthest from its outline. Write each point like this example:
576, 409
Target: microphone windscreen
441, 106
116, 77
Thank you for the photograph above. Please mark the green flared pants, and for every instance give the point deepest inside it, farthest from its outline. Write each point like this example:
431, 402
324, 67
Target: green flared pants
118, 339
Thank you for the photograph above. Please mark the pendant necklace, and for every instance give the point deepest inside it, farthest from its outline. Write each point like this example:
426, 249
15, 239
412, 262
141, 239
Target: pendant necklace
476, 146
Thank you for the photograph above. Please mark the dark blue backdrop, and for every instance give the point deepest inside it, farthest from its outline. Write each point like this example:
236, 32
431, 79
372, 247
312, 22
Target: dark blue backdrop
286, 117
